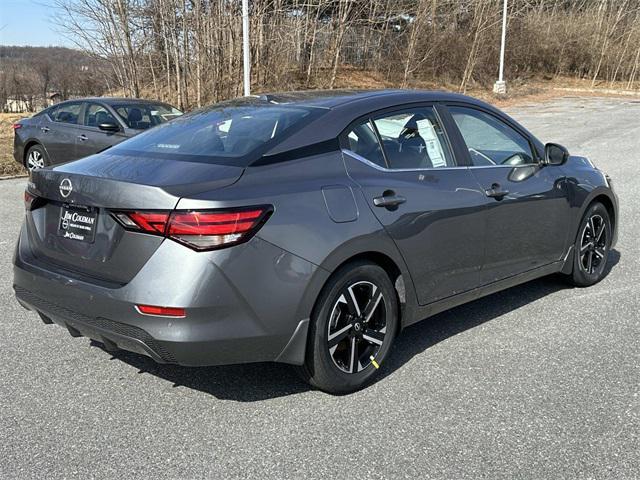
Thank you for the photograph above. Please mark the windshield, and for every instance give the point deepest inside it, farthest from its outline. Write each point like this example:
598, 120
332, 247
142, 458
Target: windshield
141, 116
219, 134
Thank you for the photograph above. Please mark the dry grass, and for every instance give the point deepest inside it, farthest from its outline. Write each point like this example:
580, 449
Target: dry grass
8, 166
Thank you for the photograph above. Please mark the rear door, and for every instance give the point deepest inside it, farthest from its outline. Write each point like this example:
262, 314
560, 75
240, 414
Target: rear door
430, 205
60, 132
90, 138
528, 208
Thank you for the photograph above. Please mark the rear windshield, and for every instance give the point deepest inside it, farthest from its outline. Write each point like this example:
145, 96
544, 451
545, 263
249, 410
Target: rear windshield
141, 116
232, 135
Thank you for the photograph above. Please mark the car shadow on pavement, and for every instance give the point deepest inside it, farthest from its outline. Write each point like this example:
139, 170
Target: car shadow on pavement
260, 381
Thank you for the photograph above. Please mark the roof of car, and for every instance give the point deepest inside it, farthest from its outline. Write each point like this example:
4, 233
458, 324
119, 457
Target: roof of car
113, 100
337, 98
346, 106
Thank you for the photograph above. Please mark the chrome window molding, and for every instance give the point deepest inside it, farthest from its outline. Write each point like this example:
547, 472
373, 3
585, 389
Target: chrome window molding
369, 163
504, 166
383, 169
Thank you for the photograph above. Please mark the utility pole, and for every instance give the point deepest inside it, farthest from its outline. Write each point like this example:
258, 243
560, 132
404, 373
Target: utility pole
246, 61
500, 86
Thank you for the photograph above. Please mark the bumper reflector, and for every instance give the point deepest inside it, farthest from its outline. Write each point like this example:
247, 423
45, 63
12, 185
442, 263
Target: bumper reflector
161, 311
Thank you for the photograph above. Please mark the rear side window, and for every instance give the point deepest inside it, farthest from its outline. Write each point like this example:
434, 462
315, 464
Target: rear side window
221, 134
414, 139
410, 139
489, 140
66, 113
362, 140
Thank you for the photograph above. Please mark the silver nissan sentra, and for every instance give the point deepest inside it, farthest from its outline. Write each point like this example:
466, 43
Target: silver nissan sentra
306, 228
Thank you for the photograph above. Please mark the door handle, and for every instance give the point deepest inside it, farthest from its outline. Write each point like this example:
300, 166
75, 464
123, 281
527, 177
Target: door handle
45, 129
83, 137
389, 200
496, 192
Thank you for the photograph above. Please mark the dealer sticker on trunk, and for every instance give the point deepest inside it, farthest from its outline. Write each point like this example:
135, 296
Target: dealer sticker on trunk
77, 224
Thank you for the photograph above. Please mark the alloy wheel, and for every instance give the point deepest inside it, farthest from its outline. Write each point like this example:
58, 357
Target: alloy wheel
357, 326
593, 245
35, 160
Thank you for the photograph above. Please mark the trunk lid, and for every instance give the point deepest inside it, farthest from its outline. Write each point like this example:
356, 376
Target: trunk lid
72, 227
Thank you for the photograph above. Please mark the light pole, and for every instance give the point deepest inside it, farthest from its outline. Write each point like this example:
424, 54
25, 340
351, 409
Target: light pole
246, 61
500, 86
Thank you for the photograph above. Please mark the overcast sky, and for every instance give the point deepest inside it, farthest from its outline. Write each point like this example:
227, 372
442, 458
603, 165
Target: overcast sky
28, 22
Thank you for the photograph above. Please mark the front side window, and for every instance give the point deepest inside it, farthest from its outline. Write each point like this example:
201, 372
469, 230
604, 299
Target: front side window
66, 113
97, 114
489, 140
141, 116
414, 139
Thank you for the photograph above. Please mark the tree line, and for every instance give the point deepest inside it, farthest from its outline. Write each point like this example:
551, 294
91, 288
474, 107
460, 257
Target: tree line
189, 52
30, 76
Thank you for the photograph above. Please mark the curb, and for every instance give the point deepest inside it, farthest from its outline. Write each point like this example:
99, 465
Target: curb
604, 91
11, 177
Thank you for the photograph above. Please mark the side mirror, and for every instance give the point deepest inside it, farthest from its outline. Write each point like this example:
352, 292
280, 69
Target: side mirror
109, 127
555, 154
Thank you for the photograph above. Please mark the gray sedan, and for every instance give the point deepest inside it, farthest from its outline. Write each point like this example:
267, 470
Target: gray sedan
78, 128
305, 228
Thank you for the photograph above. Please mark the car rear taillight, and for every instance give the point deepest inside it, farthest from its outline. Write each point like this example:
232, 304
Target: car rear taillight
28, 200
199, 229
31, 201
152, 222
206, 230
16, 126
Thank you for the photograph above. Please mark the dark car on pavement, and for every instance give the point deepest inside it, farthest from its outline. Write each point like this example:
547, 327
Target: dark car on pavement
305, 228
78, 128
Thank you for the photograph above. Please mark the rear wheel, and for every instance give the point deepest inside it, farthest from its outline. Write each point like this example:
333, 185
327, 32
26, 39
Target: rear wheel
352, 328
592, 247
36, 158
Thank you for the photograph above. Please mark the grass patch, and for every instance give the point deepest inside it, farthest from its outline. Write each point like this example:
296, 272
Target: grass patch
8, 166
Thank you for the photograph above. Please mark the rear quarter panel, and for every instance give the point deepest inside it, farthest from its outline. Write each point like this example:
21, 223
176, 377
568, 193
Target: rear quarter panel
25, 136
301, 223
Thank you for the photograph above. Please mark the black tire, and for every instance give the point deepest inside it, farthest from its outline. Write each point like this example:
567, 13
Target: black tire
333, 368
592, 247
36, 158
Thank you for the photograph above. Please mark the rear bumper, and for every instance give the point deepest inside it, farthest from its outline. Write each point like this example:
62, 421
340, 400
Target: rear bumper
249, 303
114, 335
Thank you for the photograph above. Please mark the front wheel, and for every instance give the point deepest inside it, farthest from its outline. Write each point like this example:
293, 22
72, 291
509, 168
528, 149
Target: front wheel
592, 247
352, 328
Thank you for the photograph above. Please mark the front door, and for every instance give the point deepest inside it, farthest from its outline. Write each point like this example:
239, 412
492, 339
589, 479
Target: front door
527, 203
432, 208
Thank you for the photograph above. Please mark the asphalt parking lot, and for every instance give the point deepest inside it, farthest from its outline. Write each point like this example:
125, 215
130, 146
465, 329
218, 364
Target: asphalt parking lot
540, 381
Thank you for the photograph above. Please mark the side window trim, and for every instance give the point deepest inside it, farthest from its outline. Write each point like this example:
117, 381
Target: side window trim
353, 154
390, 110
381, 143
460, 138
